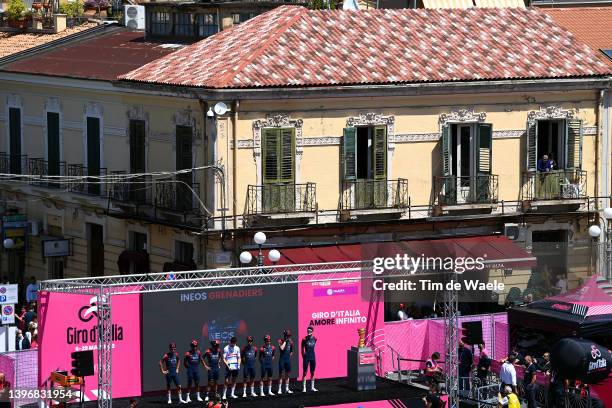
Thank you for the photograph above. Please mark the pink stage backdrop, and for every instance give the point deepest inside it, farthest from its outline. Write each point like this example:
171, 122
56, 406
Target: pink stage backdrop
67, 323
337, 309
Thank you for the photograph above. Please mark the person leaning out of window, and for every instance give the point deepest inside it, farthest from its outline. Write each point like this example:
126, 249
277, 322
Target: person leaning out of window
545, 164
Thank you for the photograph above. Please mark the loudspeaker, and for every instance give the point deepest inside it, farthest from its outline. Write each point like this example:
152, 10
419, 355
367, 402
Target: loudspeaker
82, 363
472, 332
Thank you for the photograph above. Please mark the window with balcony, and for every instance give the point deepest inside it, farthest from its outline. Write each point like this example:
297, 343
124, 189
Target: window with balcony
53, 144
278, 192
554, 159
93, 155
184, 160
183, 25
364, 151
138, 188
160, 23
15, 161
466, 161
207, 25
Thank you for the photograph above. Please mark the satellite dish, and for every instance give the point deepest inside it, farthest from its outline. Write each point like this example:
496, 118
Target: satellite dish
220, 108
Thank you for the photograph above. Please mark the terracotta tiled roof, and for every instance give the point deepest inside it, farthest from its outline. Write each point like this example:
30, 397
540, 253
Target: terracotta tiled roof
12, 43
591, 25
102, 57
293, 46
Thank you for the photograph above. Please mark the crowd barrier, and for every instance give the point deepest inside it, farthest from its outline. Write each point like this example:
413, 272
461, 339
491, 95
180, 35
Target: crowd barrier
20, 369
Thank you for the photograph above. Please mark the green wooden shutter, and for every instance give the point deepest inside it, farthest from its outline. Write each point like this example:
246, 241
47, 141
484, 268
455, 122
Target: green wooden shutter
573, 145
15, 131
485, 142
532, 146
349, 153
53, 144
380, 152
93, 146
271, 146
184, 157
446, 150
287, 156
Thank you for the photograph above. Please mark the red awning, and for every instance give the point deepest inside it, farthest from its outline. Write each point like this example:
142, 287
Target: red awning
498, 251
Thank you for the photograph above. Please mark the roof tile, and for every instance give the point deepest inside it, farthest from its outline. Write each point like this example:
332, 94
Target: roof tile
293, 46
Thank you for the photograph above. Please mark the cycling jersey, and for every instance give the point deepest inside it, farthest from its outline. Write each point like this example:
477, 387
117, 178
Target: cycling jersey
231, 354
213, 358
266, 354
286, 353
249, 356
308, 346
192, 359
171, 360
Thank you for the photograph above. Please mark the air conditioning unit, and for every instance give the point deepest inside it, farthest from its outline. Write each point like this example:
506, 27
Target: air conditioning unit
515, 232
134, 17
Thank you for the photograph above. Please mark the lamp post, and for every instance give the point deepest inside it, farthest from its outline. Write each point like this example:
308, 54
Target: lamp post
260, 239
595, 232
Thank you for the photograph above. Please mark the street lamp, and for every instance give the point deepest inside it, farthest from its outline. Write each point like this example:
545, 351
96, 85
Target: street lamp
260, 239
8, 243
595, 232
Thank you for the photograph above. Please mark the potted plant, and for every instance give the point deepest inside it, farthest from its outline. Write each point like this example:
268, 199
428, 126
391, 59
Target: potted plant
37, 6
16, 14
98, 6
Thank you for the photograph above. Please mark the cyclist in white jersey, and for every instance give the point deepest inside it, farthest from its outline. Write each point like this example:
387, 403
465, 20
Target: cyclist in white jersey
231, 358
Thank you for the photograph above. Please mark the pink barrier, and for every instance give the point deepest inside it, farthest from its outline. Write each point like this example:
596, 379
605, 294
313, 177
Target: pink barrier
419, 339
20, 369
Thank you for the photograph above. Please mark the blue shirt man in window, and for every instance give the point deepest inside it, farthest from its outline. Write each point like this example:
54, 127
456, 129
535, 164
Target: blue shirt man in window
545, 164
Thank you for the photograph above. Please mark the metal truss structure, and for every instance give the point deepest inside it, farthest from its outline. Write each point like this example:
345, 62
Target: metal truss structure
105, 287
451, 341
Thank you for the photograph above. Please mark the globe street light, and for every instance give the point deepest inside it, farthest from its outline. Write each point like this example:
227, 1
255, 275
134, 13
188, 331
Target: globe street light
595, 232
260, 239
8, 243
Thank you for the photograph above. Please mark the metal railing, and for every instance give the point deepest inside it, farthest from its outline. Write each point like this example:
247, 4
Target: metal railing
177, 195
135, 190
554, 185
374, 194
13, 164
453, 190
281, 198
41, 167
85, 180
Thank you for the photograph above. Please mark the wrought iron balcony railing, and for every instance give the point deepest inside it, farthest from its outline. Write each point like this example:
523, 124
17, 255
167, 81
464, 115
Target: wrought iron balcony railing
374, 194
44, 168
554, 185
135, 190
177, 195
281, 198
453, 190
86, 181
13, 164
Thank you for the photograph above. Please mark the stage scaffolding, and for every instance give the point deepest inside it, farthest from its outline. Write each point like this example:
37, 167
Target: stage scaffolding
103, 288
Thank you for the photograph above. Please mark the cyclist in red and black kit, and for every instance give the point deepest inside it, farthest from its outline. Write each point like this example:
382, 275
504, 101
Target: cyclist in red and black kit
192, 360
212, 362
285, 346
249, 358
266, 357
170, 366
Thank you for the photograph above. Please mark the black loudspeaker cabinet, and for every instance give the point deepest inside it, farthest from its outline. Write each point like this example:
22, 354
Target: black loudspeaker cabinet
472, 332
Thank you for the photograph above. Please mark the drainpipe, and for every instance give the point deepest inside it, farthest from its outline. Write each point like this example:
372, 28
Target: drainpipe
234, 164
603, 124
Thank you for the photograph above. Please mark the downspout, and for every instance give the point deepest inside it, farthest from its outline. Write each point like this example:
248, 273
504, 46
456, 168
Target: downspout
234, 162
604, 126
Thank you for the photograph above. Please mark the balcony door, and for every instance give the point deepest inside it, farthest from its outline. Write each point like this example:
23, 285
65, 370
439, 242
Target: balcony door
183, 199
138, 190
365, 166
93, 155
278, 192
15, 140
466, 151
53, 144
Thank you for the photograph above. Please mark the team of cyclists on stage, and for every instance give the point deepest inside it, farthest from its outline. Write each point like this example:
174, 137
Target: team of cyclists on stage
231, 358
